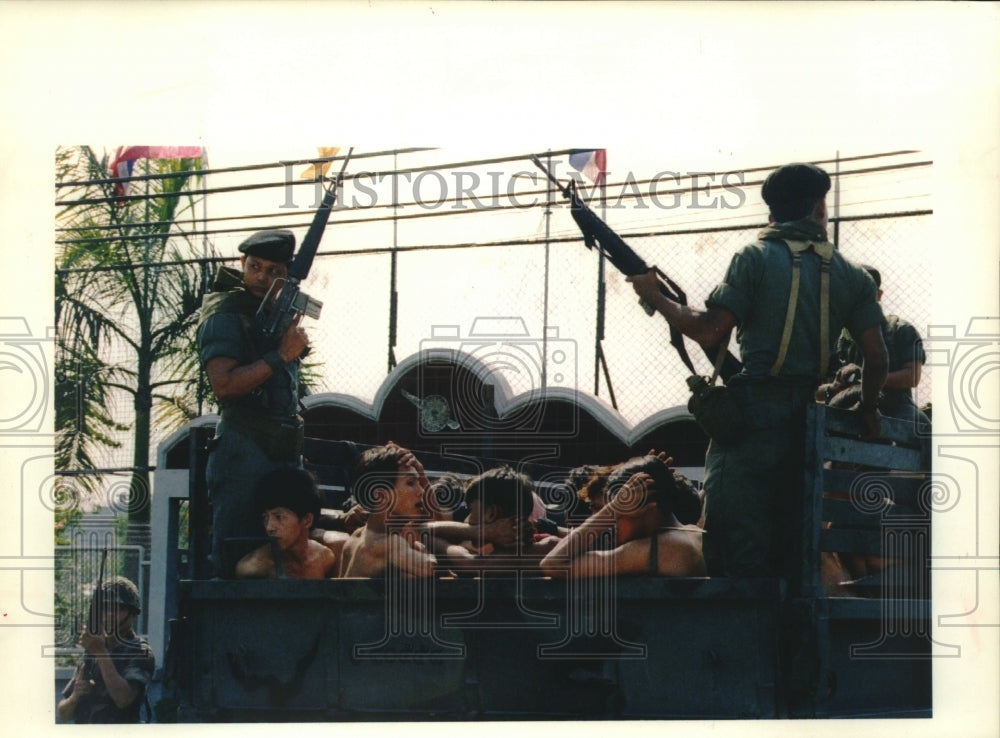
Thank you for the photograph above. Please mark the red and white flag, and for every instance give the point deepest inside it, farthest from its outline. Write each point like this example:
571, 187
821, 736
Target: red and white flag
593, 163
126, 156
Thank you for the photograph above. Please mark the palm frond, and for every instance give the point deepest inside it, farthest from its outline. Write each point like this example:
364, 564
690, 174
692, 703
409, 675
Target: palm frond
124, 321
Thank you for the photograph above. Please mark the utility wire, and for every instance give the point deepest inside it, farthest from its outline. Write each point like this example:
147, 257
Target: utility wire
283, 183
228, 170
495, 244
706, 190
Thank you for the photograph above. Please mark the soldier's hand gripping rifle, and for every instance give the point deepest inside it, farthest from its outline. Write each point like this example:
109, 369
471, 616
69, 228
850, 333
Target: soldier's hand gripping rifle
95, 618
597, 234
273, 318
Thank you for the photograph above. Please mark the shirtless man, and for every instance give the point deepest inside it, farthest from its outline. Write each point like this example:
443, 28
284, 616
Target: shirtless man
389, 485
651, 515
500, 496
288, 503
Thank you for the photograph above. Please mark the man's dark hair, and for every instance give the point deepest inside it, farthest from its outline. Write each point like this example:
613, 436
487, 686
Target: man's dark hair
876, 275
578, 476
670, 497
447, 493
510, 491
595, 486
793, 191
288, 487
377, 468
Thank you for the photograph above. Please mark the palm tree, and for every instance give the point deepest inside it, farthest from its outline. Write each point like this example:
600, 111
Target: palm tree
127, 295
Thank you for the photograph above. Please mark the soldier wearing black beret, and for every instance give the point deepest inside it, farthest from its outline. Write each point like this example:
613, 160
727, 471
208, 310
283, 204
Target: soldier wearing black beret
792, 190
753, 480
259, 428
274, 245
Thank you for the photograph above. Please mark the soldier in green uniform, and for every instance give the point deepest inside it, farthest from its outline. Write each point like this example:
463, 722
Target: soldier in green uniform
906, 360
110, 684
753, 484
256, 386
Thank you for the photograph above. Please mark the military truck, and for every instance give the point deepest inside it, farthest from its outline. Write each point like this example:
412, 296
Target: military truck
503, 646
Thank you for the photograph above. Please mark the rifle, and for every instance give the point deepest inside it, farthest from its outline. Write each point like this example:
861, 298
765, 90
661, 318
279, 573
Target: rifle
274, 318
95, 618
597, 234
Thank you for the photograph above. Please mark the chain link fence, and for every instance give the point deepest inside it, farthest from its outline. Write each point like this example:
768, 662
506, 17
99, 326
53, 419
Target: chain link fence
433, 254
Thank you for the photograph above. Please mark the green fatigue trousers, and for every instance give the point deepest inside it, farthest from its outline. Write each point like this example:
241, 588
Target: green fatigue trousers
754, 487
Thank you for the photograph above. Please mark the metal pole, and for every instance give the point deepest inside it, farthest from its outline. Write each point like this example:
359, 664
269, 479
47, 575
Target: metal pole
599, 323
545, 294
199, 513
204, 265
836, 202
393, 294
600, 360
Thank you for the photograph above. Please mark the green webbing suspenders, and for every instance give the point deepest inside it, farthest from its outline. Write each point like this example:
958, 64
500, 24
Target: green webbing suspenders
824, 249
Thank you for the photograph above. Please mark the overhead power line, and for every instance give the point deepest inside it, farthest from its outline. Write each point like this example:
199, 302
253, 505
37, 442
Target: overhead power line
440, 210
497, 244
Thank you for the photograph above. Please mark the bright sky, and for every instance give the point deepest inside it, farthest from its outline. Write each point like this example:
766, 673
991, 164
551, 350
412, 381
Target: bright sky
701, 86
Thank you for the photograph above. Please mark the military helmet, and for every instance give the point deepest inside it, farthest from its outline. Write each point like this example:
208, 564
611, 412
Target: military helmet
121, 590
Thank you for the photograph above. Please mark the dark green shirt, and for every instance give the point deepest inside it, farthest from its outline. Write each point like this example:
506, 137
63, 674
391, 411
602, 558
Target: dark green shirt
225, 330
756, 287
904, 345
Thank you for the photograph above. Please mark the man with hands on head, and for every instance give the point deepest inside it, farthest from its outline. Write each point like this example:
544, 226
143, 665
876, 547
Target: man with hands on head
390, 484
652, 517
400, 533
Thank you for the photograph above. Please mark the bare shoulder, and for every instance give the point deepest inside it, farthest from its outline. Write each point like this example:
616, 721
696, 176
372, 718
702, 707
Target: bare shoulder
257, 564
679, 552
334, 540
322, 561
354, 541
364, 554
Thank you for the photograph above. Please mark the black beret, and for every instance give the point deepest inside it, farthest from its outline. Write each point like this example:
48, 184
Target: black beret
791, 191
271, 245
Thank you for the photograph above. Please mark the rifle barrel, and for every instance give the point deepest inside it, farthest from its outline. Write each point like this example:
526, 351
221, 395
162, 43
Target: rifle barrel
562, 188
300, 265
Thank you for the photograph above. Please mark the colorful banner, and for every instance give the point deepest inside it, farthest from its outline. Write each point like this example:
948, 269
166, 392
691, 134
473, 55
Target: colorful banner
591, 162
126, 156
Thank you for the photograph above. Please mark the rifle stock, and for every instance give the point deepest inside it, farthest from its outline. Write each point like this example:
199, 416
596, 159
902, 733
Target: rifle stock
274, 317
598, 235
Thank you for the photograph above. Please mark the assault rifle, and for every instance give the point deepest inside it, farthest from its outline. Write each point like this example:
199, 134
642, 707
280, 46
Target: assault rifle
274, 318
597, 234
95, 618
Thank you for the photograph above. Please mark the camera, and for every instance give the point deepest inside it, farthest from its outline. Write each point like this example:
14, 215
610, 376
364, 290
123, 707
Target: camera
499, 380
